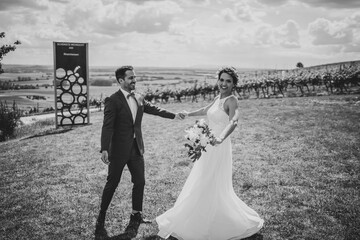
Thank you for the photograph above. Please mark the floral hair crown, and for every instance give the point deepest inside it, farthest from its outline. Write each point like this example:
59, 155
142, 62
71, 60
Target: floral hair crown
229, 70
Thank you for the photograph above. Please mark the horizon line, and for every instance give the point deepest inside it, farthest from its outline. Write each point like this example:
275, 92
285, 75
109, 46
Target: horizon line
212, 67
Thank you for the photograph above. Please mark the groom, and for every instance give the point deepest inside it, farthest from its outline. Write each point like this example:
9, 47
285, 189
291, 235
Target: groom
122, 143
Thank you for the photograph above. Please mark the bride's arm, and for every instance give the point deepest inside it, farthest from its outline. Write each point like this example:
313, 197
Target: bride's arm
232, 105
199, 112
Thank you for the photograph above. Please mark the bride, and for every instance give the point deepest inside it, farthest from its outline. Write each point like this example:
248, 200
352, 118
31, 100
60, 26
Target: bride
207, 207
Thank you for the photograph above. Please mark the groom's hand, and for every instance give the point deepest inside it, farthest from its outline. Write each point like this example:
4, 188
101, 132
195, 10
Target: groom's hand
105, 157
185, 113
179, 116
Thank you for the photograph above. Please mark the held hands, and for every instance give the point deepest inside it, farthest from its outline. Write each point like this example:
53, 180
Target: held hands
105, 157
180, 116
184, 113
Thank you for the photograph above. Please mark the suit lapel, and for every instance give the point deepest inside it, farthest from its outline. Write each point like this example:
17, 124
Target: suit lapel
140, 106
123, 99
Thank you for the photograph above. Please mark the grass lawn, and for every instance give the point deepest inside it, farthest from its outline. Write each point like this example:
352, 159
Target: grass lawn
296, 162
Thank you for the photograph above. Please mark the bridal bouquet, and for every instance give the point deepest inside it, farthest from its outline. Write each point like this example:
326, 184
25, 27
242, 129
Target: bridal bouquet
200, 136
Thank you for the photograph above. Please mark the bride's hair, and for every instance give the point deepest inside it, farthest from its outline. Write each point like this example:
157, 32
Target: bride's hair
229, 70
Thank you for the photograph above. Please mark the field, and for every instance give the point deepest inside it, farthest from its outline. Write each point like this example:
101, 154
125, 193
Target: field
175, 83
296, 162
42, 77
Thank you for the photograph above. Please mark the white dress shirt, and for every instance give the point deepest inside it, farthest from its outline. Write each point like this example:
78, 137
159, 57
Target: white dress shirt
131, 102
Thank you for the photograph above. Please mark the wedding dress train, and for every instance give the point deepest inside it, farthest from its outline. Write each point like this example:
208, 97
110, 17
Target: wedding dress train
207, 207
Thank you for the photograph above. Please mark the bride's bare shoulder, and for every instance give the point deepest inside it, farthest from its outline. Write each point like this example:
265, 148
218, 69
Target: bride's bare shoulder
232, 100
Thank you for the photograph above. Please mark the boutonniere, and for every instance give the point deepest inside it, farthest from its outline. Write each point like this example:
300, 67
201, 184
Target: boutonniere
140, 99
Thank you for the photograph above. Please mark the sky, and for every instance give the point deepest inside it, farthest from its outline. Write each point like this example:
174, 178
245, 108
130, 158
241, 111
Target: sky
274, 34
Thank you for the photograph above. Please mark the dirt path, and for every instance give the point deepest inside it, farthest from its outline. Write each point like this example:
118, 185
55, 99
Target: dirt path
32, 119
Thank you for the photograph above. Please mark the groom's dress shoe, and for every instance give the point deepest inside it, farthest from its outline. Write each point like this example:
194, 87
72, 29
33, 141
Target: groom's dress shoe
137, 217
172, 238
101, 232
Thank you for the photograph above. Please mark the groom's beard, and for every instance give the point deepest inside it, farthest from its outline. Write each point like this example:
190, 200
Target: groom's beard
132, 86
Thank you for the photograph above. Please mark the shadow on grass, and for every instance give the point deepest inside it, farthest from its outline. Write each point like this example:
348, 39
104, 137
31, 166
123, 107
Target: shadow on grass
49, 132
152, 237
256, 236
130, 232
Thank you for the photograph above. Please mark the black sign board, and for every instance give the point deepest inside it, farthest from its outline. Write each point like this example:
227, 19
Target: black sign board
71, 72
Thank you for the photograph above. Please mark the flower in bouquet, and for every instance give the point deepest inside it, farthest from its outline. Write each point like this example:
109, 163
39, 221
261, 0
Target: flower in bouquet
199, 136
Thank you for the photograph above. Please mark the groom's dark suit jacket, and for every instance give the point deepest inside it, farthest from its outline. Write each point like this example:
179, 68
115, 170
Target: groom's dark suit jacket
119, 128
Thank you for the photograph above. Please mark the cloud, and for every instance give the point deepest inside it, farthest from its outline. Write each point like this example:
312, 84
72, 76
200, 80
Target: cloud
344, 33
198, 3
119, 17
352, 48
132, 1
325, 32
333, 3
315, 3
184, 28
264, 35
227, 42
50, 34
353, 21
273, 2
6, 21
286, 35
19, 24
16, 4
141, 2
60, 1
240, 11
190, 31
228, 15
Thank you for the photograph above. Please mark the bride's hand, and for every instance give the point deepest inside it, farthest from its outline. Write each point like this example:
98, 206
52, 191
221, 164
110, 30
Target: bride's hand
184, 112
217, 141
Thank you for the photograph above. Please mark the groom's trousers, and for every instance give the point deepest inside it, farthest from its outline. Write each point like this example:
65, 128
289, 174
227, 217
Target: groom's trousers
116, 166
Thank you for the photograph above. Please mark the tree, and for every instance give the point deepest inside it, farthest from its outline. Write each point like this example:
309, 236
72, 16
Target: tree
299, 65
5, 49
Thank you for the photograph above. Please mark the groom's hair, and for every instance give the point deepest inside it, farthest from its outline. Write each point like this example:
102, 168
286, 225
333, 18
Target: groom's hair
231, 71
121, 72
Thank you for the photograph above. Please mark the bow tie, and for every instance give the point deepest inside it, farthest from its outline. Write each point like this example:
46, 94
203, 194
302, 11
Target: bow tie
132, 94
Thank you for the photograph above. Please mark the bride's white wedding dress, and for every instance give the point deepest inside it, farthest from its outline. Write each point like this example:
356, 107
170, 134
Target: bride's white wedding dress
207, 207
